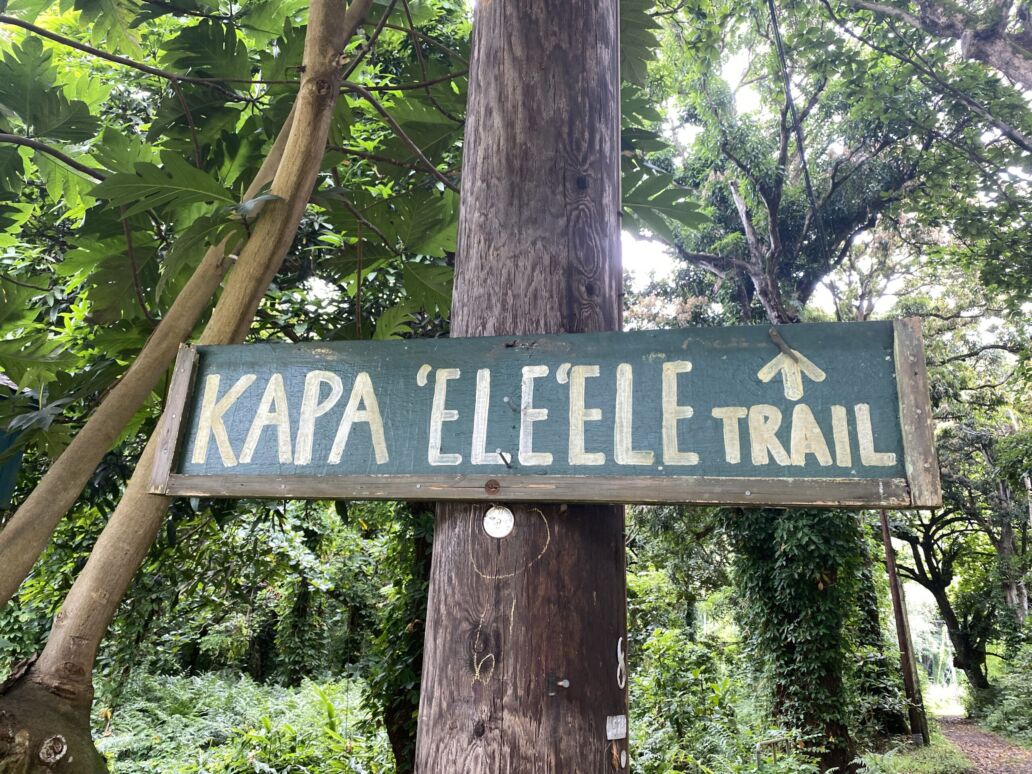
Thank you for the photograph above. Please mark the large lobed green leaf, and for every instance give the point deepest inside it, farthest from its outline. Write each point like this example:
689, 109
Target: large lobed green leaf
175, 183
28, 92
654, 203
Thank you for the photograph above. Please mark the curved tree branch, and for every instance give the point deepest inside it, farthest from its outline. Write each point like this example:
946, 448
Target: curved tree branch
116, 58
28, 142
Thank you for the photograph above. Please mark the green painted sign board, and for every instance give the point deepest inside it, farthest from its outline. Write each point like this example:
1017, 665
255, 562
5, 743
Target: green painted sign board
814, 414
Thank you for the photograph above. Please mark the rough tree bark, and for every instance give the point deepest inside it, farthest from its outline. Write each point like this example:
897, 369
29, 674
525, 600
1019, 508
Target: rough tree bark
525, 644
995, 38
53, 698
28, 531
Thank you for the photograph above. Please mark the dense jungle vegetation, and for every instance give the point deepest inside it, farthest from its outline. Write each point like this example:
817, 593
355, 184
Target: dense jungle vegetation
783, 161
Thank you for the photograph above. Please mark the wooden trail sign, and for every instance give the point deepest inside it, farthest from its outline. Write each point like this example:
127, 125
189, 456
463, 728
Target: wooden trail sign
820, 414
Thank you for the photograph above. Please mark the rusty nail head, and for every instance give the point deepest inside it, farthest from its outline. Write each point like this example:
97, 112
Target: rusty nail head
492, 487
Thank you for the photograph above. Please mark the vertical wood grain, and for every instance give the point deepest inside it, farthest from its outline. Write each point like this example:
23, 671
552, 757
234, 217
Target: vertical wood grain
169, 431
523, 633
921, 458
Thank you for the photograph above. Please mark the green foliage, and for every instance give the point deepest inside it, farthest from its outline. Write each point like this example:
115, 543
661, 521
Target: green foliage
941, 757
1014, 458
393, 664
914, 188
796, 574
29, 94
690, 706
1011, 711
174, 183
224, 725
208, 50
653, 201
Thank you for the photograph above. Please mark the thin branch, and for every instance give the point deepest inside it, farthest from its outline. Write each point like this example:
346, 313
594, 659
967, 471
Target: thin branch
889, 10
959, 315
422, 63
17, 139
19, 283
175, 10
361, 154
378, 106
286, 330
189, 121
978, 351
101, 54
717, 264
358, 282
131, 253
346, 86
431, 40
1017, 137
743, 215
363, 221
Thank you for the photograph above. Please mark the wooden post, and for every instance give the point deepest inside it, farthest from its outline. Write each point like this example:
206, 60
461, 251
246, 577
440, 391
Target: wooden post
525, 661
911, 684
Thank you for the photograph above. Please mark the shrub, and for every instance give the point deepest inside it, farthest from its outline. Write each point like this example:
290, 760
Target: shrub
684, 714
1011, 711
220, 725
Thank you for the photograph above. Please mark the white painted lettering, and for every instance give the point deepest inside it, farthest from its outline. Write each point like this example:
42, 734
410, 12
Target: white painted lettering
623, 433
865, 435
272, 410
439, 415
764, 422
312, 408
807, 437
529, 415
673, 413
579, 415
840, 431
479, 455
210, 420
362, 407
730, 416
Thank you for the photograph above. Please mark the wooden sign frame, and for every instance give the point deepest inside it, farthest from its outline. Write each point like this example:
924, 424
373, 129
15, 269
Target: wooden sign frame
919, 489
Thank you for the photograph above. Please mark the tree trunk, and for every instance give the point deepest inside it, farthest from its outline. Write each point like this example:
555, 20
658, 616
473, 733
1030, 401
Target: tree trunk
29, 529
1000, 53
63, 671
967, 657
1015, 592
526, 634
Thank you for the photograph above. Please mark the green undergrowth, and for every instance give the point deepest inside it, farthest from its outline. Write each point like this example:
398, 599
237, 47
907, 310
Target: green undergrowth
1011, 710
940, 757
213, 724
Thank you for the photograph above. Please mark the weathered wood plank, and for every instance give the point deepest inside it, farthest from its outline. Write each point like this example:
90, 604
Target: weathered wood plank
176, 405
916, 422
694, 490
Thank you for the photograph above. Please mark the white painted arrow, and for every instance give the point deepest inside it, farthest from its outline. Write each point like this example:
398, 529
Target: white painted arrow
791, 365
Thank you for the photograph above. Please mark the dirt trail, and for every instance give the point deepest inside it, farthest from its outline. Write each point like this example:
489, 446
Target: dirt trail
990, 753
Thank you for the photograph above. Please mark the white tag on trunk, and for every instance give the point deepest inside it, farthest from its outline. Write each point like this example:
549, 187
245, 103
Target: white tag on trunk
616, 727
